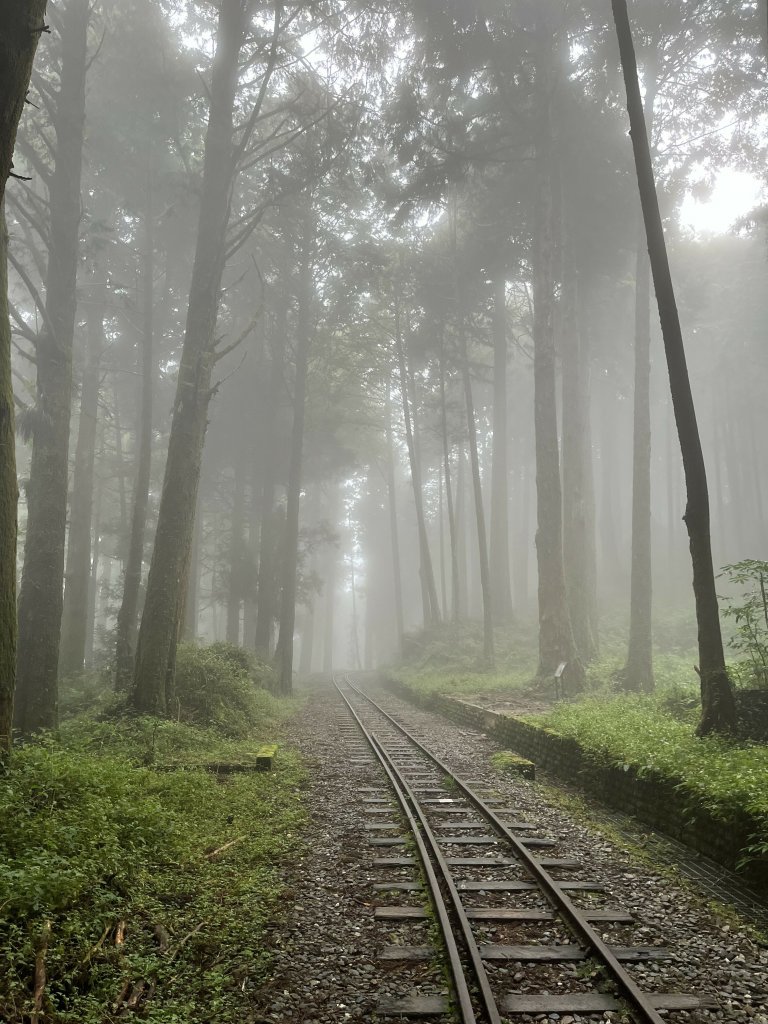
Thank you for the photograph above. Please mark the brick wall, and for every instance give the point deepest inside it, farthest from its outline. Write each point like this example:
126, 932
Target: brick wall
654, 800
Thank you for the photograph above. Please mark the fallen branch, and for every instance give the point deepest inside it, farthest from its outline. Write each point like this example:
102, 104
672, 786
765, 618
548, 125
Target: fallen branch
226, 846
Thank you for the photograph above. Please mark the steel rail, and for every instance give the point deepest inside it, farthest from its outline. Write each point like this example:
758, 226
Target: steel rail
412, 810
643, 1009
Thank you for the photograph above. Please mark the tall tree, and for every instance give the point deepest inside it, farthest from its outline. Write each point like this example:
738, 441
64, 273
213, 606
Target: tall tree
127, 615
718, 705
21, 25
164, 600
41, 592
501, 587
556, 643
638, 671
78, 566
284, 646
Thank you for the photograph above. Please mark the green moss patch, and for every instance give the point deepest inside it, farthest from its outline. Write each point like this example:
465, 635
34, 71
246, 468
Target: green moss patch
637, 732
132, 884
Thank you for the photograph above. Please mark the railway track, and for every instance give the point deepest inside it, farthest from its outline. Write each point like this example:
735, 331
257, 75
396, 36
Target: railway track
462, 841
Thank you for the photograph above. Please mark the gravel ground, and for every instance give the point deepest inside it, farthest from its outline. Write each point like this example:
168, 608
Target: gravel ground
327, 944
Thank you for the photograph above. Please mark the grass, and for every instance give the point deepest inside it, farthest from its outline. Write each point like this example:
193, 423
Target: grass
640, 732
118, 876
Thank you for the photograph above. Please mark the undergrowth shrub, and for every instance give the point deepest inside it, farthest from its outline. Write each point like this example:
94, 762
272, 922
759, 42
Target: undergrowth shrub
90, 838
223, 686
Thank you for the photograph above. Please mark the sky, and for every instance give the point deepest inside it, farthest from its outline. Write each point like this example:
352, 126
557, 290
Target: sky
735, 194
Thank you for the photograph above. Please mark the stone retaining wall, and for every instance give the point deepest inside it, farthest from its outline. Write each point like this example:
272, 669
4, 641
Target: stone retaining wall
651, 799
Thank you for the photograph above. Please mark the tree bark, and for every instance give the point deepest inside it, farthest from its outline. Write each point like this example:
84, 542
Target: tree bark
163, 605
22, 22
266, 598
430, 607
41, 592
394, 530
638, 671
192, 599
578, 501
127, 616
501, 589
449, 498
9, 495
78, 566
556, 643
284, 646
489, 658
718, 705
236, 550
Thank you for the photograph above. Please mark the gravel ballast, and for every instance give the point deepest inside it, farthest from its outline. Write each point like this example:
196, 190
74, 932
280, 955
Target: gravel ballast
327, 945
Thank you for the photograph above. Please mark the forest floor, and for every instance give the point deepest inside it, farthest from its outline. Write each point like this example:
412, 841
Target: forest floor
326, 942
135, 882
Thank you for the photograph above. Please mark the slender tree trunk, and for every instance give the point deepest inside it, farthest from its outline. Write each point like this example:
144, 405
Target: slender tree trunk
163, 605
556, 643
431, 610
330, 614
266, 598
638, 672
41, 592
93, 578
718, 706
461, 536
489, 657
501, 589
9, 495
394, 530
75, 615
284, 646
127, 616
236, 550
577, 501
307, 642
455, 600
192, 599
21, 24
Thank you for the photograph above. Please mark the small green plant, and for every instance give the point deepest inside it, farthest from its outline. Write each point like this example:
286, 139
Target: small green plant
749, 613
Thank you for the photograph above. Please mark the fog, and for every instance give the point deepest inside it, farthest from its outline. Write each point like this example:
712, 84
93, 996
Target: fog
334, 322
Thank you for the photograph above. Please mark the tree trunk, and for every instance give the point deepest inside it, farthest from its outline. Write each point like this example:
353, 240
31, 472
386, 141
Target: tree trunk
638, 672
75, 616
127, 616
93, 577
430, 607
163, 605
266, 598
718, 706
453, 540
461, 536
307, 642
192, 599
330, 616
21, 22
41, 592
489, 658
236, 550
394, 530
501, 590
284, 646
578, 502
556, 643
9, 494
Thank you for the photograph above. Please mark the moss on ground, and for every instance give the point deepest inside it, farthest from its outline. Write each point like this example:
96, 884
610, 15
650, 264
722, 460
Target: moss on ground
126, 880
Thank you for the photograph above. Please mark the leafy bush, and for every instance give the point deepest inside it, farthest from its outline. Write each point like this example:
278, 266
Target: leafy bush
222, 686
749, 614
